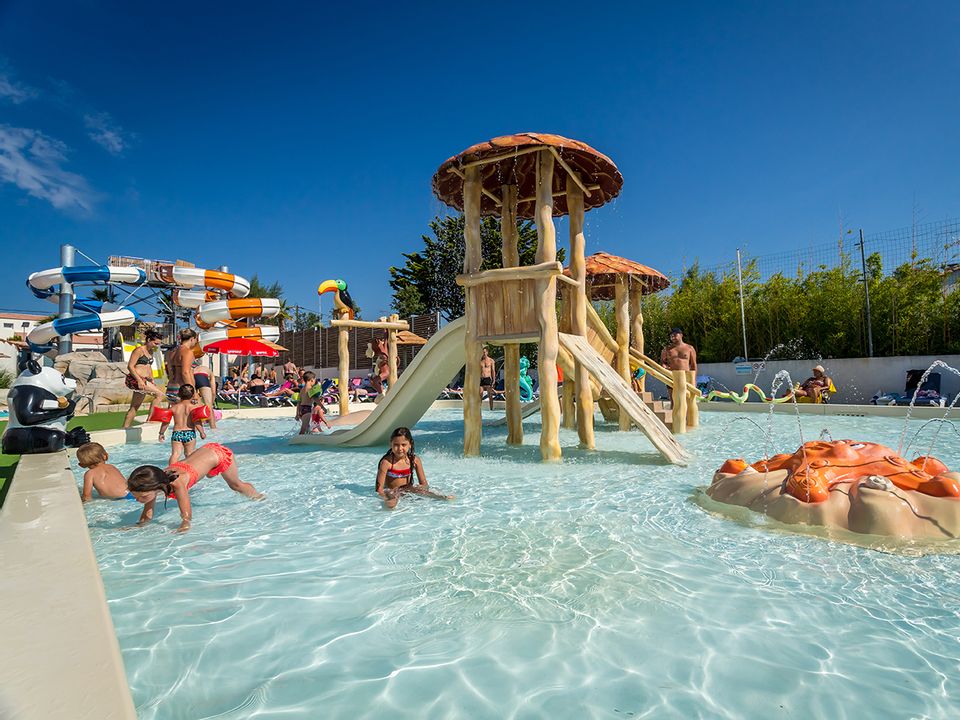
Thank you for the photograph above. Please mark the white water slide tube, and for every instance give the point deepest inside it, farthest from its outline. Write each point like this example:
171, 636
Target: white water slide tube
216, 316
42, 285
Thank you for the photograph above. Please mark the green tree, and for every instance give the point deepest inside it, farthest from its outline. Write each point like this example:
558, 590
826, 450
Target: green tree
274, 290
306, 321
427, 280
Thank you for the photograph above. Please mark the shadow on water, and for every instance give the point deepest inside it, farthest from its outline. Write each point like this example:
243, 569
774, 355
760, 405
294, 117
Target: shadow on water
365, 491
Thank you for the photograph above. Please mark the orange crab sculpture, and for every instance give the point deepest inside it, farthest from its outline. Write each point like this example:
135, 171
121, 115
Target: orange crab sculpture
858, 486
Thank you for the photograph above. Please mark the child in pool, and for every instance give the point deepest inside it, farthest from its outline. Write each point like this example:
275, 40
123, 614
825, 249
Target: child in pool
106, 479
318, 417
183, 439
147, 481
395, 472
306, 405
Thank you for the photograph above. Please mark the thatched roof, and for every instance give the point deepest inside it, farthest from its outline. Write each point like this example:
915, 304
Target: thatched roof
593, 168
405, 337
603, 269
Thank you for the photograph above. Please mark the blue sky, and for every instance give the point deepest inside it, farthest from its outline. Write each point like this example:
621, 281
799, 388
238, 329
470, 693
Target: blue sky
298, 142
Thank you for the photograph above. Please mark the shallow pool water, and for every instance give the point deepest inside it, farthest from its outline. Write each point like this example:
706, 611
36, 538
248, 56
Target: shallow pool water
597, 588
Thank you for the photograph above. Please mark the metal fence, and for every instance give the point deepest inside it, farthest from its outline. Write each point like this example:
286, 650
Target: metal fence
319, 347
937, 241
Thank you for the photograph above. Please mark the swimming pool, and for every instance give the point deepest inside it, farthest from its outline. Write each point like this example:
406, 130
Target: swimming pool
595, 588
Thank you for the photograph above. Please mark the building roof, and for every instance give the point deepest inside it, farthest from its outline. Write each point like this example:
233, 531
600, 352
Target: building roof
36, 317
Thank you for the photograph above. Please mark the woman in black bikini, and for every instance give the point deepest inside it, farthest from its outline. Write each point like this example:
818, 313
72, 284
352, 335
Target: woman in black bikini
395, 472
140, 375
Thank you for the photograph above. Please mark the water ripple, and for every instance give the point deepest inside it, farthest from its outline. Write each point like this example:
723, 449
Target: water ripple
599, 588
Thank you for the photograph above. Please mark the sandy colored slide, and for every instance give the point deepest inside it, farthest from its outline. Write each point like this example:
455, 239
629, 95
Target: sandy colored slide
420, 384
623, 395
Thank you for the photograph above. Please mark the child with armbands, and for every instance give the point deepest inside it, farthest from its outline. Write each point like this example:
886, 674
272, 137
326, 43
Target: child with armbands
396, 470
100, 475
318, 417
186, 415
304, 404
148, 481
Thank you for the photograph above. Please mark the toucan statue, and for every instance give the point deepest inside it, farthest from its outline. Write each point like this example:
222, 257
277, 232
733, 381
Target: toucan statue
341, 298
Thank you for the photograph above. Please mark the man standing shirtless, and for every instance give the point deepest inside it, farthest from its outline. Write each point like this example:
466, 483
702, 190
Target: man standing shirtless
488, 375
678, 355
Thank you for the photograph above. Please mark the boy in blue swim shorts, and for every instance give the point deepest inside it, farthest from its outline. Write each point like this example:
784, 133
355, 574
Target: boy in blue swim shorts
183, 439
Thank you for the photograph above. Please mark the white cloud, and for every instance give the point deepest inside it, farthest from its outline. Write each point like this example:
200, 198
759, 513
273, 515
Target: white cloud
104, 130
13, 91
32, 161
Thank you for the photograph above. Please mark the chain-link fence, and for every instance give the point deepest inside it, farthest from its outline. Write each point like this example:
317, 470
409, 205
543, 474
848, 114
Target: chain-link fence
938, 242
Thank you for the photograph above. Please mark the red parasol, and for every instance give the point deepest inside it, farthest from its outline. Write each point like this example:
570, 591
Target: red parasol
244, 346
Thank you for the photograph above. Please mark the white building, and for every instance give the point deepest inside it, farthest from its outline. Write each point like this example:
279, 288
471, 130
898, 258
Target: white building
17, 323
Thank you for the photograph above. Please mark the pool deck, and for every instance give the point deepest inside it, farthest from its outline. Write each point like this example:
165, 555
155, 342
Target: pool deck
60, 653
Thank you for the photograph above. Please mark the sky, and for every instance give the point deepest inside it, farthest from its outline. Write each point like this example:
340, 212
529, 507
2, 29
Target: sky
297, 142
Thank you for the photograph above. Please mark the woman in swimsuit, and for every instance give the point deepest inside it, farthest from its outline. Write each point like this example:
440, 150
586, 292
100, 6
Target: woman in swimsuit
148, 481
203, 383
395, 473
140, 376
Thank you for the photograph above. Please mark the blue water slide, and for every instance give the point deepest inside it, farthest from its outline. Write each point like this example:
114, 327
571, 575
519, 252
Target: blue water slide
44, 284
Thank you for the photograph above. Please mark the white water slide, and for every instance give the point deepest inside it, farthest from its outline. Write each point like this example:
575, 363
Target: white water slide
425, 378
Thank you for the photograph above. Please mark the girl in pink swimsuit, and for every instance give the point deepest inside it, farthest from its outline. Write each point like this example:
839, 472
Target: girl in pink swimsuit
213, 459
395, 472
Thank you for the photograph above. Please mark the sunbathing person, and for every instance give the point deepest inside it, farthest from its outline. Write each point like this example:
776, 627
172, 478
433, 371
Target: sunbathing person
814, 387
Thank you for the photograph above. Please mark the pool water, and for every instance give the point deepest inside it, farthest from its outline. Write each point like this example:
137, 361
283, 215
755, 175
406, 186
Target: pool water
597, 588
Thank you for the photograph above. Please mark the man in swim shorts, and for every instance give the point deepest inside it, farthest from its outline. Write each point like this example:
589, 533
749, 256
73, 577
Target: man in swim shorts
488, 375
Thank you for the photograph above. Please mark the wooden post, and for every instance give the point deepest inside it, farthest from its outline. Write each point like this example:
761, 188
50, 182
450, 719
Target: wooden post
547, 311
568, 398
578, 313
472, 414
392, 352
622, 308
679, 401
693, 407
343, 346
511, 352
636, 319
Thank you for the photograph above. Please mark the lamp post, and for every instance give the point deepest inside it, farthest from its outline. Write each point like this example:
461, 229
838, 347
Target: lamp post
866, 292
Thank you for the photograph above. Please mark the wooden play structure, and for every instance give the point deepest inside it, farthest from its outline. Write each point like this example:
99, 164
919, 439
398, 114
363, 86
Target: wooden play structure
391, 325
539, 176
623, 281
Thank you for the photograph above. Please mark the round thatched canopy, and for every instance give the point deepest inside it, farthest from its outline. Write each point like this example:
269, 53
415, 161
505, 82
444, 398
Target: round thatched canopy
603, 269
517, 166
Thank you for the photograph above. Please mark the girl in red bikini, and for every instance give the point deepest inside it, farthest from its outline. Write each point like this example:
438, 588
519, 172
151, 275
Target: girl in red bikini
395, 473
213, 459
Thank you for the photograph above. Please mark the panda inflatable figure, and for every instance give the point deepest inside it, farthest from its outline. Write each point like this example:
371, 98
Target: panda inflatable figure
39, 410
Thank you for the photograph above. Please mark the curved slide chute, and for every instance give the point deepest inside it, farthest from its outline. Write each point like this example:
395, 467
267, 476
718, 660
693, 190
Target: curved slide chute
188, 277
215, 316
222, 310
433, 367
44, 285
269, 333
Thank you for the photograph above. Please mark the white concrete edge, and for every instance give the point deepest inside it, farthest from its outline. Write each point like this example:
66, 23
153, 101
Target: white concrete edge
60, 653
828, 409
